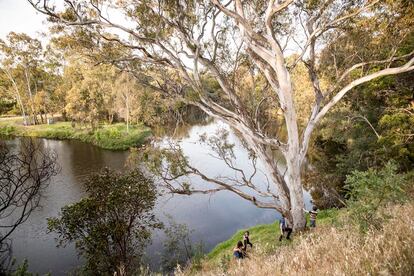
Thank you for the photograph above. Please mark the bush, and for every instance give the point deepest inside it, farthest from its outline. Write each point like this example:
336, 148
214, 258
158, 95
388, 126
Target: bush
371, 189
116, 137
22, 270
112, 225
6, 106
7, 130
179, 250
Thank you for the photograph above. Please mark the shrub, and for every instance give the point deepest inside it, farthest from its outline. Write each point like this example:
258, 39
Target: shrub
112, 225
371, 189
7, 130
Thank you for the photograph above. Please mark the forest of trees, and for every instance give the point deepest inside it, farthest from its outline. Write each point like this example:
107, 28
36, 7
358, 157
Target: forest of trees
37, 82
328, 85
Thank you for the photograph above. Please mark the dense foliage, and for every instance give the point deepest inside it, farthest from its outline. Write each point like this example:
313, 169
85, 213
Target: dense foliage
371, 127
373, 124
371, 190
39, 82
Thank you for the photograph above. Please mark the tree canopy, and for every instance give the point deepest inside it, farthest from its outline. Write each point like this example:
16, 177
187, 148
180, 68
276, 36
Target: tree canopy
113, 224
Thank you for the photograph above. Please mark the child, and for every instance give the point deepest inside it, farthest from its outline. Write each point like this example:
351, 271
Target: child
312, 216
238, 251
284, 228
246, 240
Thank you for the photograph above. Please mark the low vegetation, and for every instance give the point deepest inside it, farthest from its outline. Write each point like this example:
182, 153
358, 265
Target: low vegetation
263, 236
113, 137
332, 250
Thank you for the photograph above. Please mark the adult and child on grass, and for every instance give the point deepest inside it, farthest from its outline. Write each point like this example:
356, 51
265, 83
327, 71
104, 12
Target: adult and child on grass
240, 251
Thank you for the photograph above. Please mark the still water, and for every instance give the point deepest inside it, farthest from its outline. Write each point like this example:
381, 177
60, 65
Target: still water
213, 218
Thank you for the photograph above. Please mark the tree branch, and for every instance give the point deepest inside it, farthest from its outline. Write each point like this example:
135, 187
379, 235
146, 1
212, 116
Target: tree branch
313, 122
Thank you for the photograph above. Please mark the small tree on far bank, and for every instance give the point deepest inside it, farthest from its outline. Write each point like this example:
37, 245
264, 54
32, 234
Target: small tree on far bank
112, 226
125, 88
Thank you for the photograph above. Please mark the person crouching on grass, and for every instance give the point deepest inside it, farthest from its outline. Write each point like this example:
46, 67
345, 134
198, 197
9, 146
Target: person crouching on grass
238, 251
284, 228
312, 216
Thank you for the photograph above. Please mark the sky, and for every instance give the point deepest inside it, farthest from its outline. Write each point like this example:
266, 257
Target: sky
19, 16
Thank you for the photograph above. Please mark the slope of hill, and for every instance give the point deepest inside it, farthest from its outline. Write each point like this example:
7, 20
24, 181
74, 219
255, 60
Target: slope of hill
336, 247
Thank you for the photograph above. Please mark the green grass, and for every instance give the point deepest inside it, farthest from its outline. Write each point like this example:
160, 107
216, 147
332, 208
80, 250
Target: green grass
117, 137
264, 236
113, 137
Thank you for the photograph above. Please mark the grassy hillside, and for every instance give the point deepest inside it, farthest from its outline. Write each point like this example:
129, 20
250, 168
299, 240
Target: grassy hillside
114, 137
336, 247
263, 236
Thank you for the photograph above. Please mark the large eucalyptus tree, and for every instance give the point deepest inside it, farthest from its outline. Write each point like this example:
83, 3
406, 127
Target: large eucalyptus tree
196, 40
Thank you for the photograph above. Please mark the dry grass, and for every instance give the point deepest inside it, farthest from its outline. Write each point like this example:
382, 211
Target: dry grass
337, 251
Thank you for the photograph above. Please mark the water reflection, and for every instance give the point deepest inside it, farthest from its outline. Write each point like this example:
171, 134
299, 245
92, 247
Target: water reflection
213, 218
191, 116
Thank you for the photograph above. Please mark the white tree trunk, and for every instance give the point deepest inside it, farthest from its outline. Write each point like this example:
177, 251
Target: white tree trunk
297, 215
17, 94
292, 155
127, 112
293, 163
29, 90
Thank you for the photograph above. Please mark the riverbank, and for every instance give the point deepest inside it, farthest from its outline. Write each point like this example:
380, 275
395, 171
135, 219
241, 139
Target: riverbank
336, 247
112, 137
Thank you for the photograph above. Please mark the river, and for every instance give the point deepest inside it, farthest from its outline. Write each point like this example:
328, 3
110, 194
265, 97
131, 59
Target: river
213, 218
